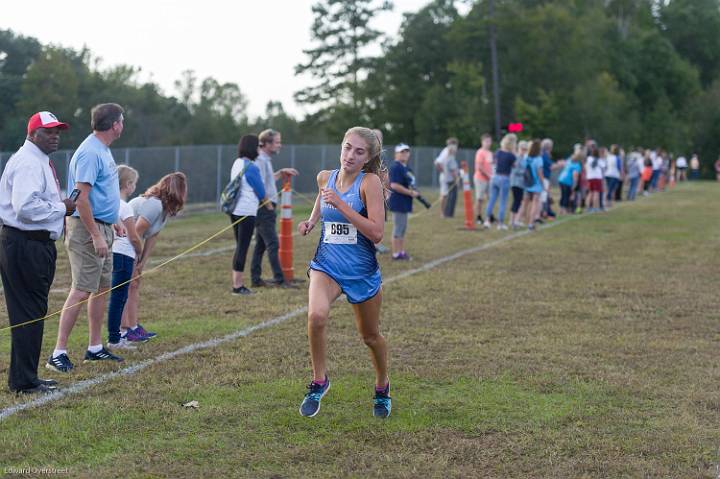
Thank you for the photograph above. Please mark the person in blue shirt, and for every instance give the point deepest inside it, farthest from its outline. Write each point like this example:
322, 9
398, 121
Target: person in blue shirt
350, 204
402, 187
533, 191
568, 180
90, 234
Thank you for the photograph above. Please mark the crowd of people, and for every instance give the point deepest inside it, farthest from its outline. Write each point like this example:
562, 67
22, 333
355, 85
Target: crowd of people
110, 237
591, 179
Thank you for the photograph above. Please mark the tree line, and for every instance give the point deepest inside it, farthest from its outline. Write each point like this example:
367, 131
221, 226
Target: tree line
636, 72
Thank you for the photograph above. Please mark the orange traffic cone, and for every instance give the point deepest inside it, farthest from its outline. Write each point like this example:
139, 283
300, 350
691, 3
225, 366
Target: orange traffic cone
286, 229
467, 197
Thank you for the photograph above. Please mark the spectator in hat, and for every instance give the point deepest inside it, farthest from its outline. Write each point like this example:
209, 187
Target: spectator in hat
32, 214
402, 187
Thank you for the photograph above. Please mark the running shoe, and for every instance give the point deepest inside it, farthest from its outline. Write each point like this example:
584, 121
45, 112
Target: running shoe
61, 364
148, 334
311, 404
102, 355
502, 227
382, 404
135, 336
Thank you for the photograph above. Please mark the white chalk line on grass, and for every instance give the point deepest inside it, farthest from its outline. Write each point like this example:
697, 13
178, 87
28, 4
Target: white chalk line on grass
211, 343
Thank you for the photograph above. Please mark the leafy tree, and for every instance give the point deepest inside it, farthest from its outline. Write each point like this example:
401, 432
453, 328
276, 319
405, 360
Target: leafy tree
413, 68
341, 30
692, 26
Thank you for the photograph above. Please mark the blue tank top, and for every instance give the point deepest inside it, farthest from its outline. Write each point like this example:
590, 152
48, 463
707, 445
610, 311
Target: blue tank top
343, 252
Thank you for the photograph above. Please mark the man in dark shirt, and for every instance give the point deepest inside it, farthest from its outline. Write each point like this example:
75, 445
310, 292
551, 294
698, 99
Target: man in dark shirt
402, 186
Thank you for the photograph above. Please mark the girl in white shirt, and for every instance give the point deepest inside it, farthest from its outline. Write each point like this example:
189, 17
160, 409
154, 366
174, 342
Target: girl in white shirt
125, 250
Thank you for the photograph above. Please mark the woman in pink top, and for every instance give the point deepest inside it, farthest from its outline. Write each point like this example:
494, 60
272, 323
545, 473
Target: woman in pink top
483, 172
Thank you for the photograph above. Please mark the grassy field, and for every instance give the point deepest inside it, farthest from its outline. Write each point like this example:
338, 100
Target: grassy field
588, 349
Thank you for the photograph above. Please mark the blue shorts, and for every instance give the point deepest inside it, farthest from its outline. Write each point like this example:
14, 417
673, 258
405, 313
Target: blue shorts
357, 290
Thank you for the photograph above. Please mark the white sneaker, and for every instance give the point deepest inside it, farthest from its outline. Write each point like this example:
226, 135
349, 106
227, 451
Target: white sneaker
486, 225
502, 226
122, 344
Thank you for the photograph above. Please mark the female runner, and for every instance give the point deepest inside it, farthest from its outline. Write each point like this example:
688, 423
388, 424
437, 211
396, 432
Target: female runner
351, 206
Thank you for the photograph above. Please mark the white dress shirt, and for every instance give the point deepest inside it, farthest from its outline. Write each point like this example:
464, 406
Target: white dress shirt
29, 195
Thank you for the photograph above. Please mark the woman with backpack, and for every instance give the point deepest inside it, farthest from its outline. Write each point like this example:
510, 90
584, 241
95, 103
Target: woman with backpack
533, 183
251, 193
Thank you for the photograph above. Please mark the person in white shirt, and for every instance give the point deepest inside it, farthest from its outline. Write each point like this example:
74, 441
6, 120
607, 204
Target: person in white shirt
681, 166
594, 167
613, 174
32, 214
253, 196
125, 250
447, 166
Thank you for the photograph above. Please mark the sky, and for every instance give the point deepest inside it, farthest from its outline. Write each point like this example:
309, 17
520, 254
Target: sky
214, 38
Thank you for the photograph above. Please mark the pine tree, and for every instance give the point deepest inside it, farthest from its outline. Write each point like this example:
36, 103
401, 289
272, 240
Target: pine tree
341, 30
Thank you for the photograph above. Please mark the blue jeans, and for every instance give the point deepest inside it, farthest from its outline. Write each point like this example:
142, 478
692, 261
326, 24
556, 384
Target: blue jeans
632, 192
122, 272
612, 185
499, 186
654, 179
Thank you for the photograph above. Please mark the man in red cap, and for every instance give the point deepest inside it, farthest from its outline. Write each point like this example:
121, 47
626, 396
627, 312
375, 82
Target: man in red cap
32, 214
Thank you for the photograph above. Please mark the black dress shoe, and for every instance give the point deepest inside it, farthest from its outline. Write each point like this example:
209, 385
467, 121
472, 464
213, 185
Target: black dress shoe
48, 382
39, 389
259, 283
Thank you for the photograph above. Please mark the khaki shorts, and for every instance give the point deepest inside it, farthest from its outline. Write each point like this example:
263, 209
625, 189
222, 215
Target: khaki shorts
481, 189
90, 273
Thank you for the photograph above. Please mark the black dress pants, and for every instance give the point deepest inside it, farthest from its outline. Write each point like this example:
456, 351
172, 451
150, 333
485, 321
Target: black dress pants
27, 268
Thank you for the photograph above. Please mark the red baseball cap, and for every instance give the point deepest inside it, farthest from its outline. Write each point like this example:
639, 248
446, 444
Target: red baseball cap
45, 119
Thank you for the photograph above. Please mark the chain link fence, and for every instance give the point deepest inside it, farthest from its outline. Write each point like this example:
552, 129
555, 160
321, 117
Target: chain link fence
208, 166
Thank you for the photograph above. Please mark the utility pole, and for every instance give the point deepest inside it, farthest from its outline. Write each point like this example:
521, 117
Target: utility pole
495, 74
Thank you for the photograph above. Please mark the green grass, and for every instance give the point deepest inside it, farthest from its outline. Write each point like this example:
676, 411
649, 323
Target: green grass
584, 350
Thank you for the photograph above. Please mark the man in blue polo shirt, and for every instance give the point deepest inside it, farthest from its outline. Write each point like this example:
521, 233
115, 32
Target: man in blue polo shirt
92, 170
402, 186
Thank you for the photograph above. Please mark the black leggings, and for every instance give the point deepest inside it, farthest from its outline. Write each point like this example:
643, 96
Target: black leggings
243, 234
517, 198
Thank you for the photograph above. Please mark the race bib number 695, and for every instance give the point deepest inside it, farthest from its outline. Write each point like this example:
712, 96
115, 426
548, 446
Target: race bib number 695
340, 233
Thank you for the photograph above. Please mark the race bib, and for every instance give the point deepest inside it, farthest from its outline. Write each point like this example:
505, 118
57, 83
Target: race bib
340, 233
